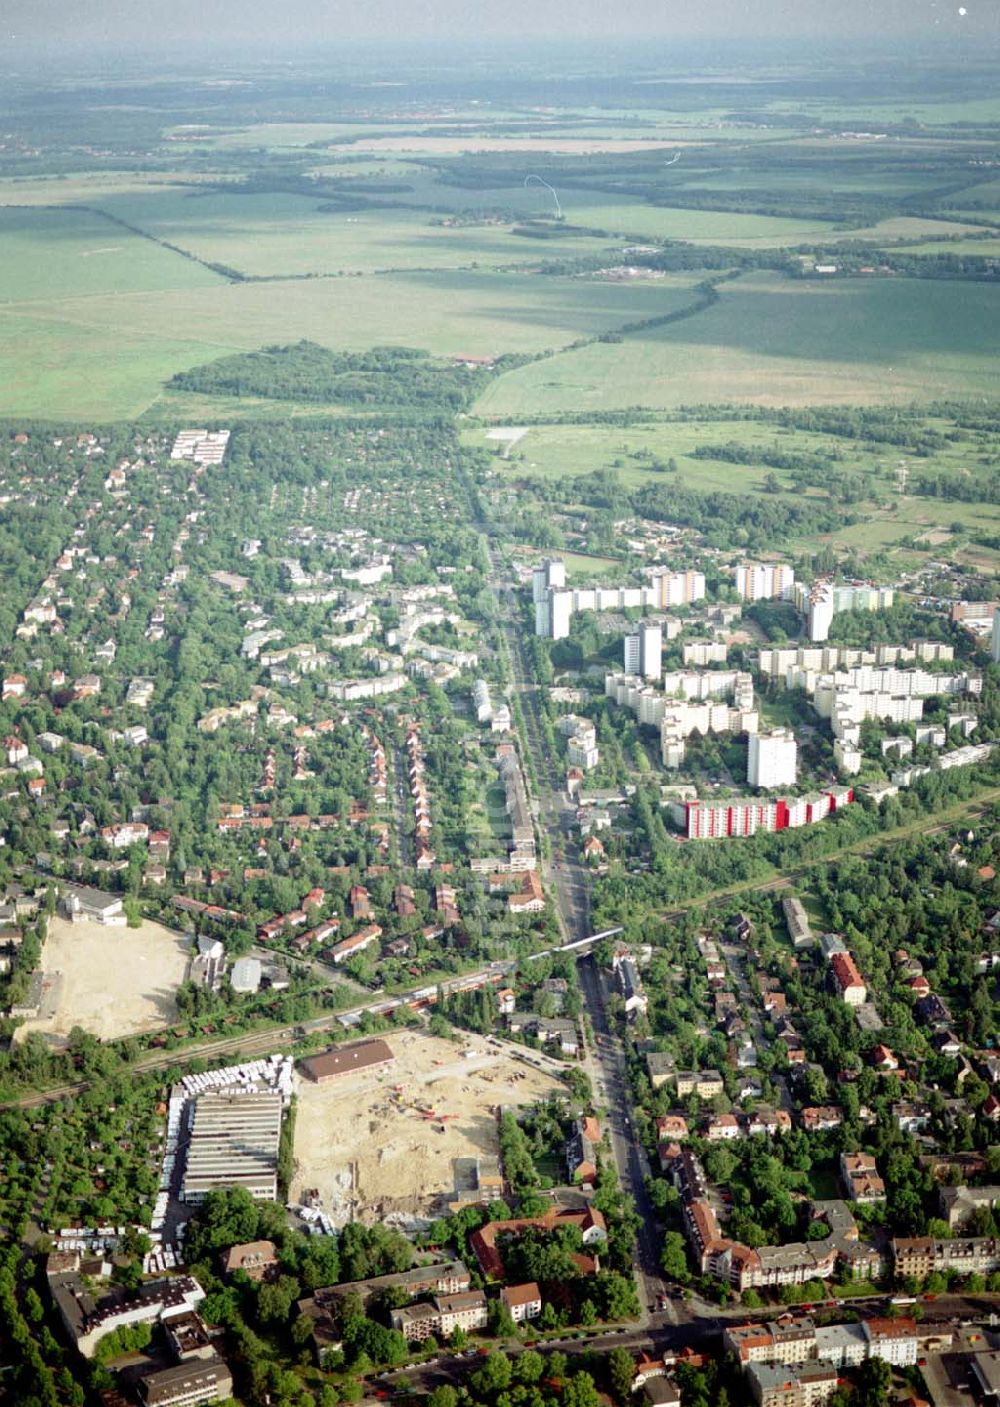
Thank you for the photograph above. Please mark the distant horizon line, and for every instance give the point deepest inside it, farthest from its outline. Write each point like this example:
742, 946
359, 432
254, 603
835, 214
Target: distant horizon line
877, 44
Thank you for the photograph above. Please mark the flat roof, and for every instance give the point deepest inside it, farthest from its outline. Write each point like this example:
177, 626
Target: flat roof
986, 1367
339, 1060
234, 1143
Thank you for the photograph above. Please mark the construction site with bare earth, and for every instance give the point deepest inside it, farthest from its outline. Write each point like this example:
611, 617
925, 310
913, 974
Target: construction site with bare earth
111, 982
398, 1139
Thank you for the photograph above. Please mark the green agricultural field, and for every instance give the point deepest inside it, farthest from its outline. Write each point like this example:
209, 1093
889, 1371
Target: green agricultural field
841, 178
775, 341
985, 248
73, 254
276, 235
736, 229
897, 228
869, 113
109, 355
91, 187
79, 372
986, 191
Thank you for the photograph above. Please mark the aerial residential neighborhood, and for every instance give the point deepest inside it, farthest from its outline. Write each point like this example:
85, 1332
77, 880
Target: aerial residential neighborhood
499, 705
793, 1064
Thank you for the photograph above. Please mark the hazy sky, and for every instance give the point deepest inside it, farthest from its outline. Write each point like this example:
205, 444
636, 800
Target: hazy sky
293, 21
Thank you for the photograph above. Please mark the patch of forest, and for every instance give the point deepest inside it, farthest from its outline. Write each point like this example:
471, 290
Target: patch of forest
305, 371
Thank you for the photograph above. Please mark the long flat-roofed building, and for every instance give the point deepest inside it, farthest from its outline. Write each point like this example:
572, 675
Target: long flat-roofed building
345, 1060
234, 1143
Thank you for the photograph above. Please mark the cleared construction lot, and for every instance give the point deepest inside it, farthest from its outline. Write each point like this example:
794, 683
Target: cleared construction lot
367, 1144
110, 981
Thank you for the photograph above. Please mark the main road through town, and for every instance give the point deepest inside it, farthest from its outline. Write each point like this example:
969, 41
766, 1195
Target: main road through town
567, 881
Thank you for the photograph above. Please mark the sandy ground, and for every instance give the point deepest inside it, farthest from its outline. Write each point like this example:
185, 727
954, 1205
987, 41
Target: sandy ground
111, 981
364, 1146
508, 436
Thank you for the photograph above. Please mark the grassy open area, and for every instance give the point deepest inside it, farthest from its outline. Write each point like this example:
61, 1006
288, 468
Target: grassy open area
774, 341
583, 564
274, 234
552, 451
73, 254
108, 355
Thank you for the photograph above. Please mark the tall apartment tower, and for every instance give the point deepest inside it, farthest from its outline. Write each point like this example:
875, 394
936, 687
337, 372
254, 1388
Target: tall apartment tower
995, 639
821, 610
677, 588
772, 758
763, 581
552, 572
553, 613
644, 651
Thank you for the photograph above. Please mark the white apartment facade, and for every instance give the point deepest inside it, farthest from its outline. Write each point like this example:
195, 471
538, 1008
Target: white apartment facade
772, 759
764, 581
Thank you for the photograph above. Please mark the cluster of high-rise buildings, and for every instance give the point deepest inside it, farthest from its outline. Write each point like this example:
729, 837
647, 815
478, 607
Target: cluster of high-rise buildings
848, 696
825, 659
820, 601
556, 603
689, 702
846, 685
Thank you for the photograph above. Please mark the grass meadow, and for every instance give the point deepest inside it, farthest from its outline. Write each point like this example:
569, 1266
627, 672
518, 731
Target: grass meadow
107, 355
95, 319
68, 253
275, 235
776, 341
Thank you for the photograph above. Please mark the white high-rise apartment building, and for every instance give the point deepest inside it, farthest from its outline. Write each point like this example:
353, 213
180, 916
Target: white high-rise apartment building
820, 610
995, 640
678, 588
554, 613
644, 651
552, 572
772, 759
763, 581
